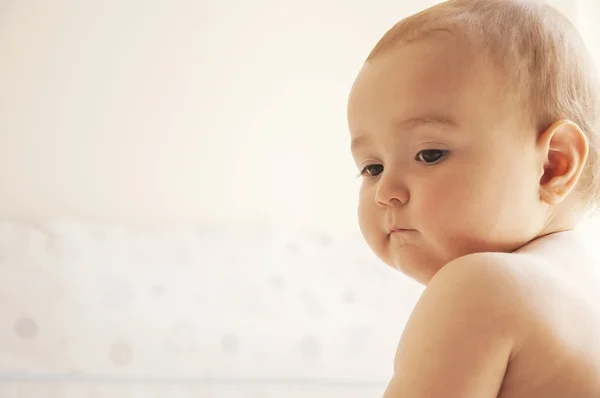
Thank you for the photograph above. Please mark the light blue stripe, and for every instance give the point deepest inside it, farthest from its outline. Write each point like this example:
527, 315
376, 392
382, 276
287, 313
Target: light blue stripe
222, 381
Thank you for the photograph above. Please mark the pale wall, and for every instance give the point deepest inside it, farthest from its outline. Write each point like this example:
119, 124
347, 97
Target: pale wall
185, 111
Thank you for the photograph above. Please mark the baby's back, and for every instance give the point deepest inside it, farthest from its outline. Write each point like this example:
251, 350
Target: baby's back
558, 352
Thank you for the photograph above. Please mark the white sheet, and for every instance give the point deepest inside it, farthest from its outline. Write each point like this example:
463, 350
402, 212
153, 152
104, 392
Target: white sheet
217, 311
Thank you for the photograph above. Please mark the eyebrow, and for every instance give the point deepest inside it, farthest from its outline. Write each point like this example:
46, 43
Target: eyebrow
430, 120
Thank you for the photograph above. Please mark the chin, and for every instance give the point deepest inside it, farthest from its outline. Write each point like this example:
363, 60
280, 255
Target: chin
415, 264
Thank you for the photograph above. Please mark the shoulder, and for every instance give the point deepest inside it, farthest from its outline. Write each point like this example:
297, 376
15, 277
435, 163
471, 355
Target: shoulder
482, 295
481, 274
465, 323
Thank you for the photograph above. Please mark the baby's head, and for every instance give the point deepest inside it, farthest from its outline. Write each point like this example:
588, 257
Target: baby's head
475, 126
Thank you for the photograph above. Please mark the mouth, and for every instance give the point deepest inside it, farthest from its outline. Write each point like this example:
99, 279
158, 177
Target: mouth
399, 231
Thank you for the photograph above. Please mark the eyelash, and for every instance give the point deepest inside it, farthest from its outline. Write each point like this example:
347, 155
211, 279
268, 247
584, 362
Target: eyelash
444, 153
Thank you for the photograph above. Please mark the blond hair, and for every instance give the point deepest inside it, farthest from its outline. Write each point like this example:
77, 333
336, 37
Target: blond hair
540, 52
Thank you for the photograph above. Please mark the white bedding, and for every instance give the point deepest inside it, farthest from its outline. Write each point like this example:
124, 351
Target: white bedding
251, 311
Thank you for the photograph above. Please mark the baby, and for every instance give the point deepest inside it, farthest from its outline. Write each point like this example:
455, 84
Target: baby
474, 125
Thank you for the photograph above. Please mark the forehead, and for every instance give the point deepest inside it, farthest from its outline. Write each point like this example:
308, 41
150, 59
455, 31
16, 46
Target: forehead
426, 79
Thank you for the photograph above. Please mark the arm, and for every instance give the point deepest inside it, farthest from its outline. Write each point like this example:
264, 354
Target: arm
459, 338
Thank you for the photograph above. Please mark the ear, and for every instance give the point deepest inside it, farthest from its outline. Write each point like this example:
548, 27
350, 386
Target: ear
563, 150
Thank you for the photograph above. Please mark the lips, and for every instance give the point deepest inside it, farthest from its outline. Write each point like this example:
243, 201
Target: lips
399, 229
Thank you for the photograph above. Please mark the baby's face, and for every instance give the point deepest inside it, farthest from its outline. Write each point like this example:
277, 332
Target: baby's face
445, 156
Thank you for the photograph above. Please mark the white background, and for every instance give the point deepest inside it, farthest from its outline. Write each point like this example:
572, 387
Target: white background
188, 111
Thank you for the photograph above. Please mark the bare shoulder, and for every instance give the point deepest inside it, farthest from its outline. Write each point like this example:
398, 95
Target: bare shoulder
467, 319
481, 282
488, 285
480, 295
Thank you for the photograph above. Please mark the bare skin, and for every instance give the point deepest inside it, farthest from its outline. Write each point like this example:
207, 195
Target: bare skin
529, 329
559, 349
462, 194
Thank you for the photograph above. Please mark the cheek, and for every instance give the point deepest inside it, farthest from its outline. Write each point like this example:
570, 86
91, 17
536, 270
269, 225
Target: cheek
370, 219
445, 196
479, 205
459, 203
366, 210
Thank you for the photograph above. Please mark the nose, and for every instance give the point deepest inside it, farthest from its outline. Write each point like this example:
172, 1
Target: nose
391, 190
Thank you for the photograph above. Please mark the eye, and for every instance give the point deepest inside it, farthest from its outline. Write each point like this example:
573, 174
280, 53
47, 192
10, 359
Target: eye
371, 170
431, 156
